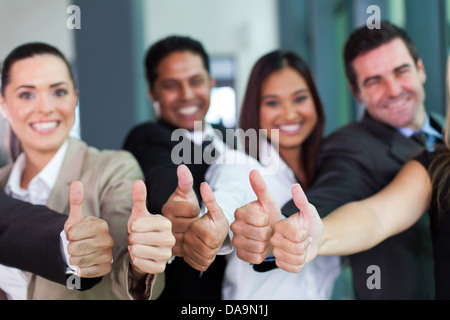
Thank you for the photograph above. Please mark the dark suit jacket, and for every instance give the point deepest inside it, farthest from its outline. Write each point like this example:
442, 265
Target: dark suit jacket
355, 162
151, 145
29, 238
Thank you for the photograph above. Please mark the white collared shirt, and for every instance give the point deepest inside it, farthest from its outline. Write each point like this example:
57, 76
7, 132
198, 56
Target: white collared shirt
12, 280
207, 134
427, 128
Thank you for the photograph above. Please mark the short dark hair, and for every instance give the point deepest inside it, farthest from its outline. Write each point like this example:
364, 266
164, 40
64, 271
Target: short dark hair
363, 40
29, 50
249, 118
166, 46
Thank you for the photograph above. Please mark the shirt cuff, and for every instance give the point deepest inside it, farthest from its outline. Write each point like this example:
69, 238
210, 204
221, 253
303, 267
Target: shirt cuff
70, 269
227, 246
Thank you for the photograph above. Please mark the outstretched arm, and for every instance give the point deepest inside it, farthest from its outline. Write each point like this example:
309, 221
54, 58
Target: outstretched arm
360, 225
356, 226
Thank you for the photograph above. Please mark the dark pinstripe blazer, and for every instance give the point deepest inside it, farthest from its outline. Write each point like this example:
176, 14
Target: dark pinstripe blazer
25, 246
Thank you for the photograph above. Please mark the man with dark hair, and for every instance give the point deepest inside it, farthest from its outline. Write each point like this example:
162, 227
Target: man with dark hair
179, 86
387, 76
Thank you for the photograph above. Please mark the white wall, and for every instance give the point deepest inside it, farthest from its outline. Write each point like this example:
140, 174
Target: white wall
246, 29
31, 20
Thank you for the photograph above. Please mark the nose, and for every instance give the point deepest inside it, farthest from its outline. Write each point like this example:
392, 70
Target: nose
289, 112
187, 92
393, 87
45, 104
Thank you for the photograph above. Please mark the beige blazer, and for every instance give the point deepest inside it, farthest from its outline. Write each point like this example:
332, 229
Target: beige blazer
107, 177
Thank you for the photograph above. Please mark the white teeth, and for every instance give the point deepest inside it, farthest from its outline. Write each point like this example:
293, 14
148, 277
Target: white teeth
45, 125
395, 105
188, 110
290, 127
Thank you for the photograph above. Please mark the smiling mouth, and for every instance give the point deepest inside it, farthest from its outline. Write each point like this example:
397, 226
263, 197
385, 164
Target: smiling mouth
188, 111
290, 128
397, 105
44, 127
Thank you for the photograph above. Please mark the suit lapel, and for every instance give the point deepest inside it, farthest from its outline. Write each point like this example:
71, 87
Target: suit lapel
71, 170
401, 148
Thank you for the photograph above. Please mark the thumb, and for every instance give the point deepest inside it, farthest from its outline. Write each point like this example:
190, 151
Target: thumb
299, 197
308, 216
308, 219
139, 196
76, 198
265, 198
214, 210
185, 179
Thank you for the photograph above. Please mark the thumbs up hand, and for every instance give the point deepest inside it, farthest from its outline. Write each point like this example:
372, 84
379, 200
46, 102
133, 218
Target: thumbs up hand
296, 240
150, 236
254, 222
182, 208
205, 236
90, 244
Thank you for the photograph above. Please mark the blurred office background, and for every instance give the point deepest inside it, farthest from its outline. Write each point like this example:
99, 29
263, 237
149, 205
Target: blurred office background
107, 52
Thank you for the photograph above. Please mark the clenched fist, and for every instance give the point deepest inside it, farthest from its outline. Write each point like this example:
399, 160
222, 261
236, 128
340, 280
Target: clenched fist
150, 236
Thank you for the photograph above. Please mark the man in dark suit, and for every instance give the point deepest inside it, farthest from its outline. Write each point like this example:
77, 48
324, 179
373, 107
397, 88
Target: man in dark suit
386, 75
39, 249
177, 70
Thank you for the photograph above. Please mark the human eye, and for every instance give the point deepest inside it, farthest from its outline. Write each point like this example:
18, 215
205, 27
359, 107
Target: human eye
402, 70
26, 95
371, 82
170, 85
60, 92
197, 81
271, 103
300, 99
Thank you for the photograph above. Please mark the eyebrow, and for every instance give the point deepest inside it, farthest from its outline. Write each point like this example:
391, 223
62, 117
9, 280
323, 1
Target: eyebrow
403, 66
168, 79
33, 87
295, 93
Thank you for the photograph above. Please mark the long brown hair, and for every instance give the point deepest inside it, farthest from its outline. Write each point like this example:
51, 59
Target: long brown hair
440, 166
249, 118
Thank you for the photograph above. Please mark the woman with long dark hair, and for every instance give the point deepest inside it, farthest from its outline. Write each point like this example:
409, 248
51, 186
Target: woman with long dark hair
283, 109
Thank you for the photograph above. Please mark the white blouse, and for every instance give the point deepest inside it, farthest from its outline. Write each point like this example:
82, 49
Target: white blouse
12, 280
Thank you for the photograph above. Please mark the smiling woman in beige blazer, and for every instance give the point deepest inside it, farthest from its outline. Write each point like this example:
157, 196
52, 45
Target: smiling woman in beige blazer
39, 99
